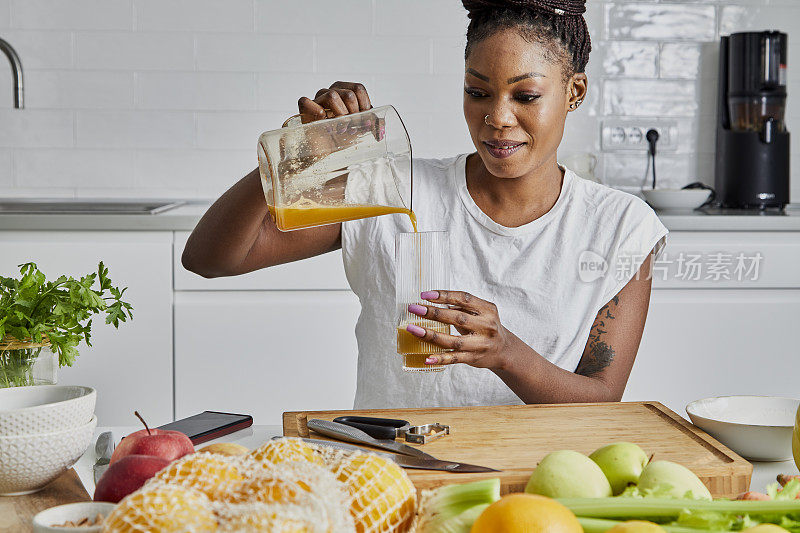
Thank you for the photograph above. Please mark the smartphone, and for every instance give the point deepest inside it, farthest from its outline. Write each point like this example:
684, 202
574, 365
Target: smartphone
209, 425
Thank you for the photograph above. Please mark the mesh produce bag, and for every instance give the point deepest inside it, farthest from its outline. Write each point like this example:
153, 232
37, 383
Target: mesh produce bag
283, 486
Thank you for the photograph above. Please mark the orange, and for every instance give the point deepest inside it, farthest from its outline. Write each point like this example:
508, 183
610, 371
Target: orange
526, 513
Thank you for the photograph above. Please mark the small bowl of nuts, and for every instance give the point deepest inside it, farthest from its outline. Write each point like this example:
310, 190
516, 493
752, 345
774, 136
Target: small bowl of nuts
86, 517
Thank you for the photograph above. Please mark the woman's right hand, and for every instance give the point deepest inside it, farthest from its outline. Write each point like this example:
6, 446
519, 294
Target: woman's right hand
341, 98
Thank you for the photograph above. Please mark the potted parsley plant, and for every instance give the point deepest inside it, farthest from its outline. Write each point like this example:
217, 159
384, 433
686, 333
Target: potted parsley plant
54, 316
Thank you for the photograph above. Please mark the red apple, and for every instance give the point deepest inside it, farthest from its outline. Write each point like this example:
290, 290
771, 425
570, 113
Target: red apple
169, 445
127, 475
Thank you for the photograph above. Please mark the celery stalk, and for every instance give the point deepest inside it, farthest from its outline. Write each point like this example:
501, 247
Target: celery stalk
601, 525
633, 508
461, 523
441, 505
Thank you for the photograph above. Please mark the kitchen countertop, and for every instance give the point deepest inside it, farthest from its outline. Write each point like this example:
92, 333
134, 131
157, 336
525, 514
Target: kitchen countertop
764, 473
185, 217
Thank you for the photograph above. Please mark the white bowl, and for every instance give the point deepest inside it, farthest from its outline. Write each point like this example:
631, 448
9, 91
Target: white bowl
29, 462
675, 198
758, 428
48, 520
45, 408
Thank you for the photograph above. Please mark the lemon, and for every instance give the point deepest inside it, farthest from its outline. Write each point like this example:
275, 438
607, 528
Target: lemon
165, 508
225, 448
382, 498
526, 513
636, 526
285, 450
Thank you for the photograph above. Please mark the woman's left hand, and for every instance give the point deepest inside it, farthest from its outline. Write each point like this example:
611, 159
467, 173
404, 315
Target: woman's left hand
483, 343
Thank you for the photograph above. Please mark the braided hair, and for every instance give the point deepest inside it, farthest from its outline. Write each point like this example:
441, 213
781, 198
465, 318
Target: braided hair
547, 22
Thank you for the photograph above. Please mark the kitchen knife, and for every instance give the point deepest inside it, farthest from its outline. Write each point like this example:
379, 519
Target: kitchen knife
103, 449
407, 461
350, 434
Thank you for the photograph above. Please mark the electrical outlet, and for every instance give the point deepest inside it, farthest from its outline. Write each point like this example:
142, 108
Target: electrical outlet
622, 134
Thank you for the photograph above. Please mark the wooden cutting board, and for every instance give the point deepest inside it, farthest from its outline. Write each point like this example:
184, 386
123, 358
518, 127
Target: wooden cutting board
515, 438
16, 512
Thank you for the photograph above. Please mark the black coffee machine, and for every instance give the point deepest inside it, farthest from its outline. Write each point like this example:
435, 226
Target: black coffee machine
752, 165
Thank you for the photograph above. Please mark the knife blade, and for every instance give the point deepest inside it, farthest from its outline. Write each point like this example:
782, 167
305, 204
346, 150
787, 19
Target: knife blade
350, 434
103, 449
407, 461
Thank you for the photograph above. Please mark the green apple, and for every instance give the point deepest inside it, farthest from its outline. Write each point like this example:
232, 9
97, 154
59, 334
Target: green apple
621, 462
568, 474
638, 526
676, 479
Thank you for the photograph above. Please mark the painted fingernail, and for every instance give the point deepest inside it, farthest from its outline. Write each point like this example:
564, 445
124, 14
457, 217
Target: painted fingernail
431, 360
419, 310
430, 295
415, 330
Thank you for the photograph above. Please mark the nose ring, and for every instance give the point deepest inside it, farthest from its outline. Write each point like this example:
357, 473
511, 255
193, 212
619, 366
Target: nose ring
486, 120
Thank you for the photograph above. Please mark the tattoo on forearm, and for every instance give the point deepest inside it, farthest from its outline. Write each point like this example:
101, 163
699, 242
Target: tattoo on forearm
600, 353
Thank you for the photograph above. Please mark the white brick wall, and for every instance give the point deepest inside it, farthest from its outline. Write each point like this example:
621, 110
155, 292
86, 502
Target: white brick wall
167, 97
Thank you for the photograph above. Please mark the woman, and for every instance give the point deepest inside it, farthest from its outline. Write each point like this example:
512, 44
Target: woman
544, 313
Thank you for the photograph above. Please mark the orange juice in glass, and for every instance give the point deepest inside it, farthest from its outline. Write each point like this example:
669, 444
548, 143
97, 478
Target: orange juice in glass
422, 263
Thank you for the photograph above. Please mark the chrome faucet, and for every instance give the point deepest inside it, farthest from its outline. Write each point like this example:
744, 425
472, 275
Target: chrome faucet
16, 69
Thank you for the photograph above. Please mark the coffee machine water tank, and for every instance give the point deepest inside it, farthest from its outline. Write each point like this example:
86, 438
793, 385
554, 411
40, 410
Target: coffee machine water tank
752, 169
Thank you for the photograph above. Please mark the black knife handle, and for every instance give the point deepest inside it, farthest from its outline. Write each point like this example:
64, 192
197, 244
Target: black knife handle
377, 428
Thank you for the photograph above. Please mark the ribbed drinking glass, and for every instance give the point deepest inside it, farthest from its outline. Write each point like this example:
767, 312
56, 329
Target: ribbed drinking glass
422, 264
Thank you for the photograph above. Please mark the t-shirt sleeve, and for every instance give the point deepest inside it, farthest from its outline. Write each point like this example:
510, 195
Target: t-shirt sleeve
639, 232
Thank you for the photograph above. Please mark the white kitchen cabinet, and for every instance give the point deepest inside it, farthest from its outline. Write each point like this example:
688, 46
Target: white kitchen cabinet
264, 352
131, 368
699, 343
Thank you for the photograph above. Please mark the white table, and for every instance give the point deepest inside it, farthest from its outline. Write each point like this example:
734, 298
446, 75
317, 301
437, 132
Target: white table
764, 473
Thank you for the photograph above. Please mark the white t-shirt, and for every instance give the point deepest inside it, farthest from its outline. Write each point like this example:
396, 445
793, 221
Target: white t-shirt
546, 277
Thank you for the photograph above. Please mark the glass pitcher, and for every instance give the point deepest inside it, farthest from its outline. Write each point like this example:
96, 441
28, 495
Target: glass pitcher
336, 169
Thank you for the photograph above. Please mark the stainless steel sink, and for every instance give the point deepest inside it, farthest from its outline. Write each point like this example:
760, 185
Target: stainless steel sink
85, 207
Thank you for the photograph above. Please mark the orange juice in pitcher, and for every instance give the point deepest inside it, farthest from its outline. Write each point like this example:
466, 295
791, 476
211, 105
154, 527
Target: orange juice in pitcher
337, 169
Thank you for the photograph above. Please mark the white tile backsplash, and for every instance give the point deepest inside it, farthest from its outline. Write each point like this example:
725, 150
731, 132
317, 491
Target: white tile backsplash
630, 59
5, 13
196, 90
447, 55
72, 89
662, 98
35, 128
40, 49
195, 15
680, 60
134, 51
134, 129
249, 52
74, 168
73, 14
192, 170
236, 130
660, 21
315, 17
172, 94
402, 17
380, 55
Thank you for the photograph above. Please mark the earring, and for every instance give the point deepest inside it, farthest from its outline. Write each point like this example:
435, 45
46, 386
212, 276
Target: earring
575, 104
486, 120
